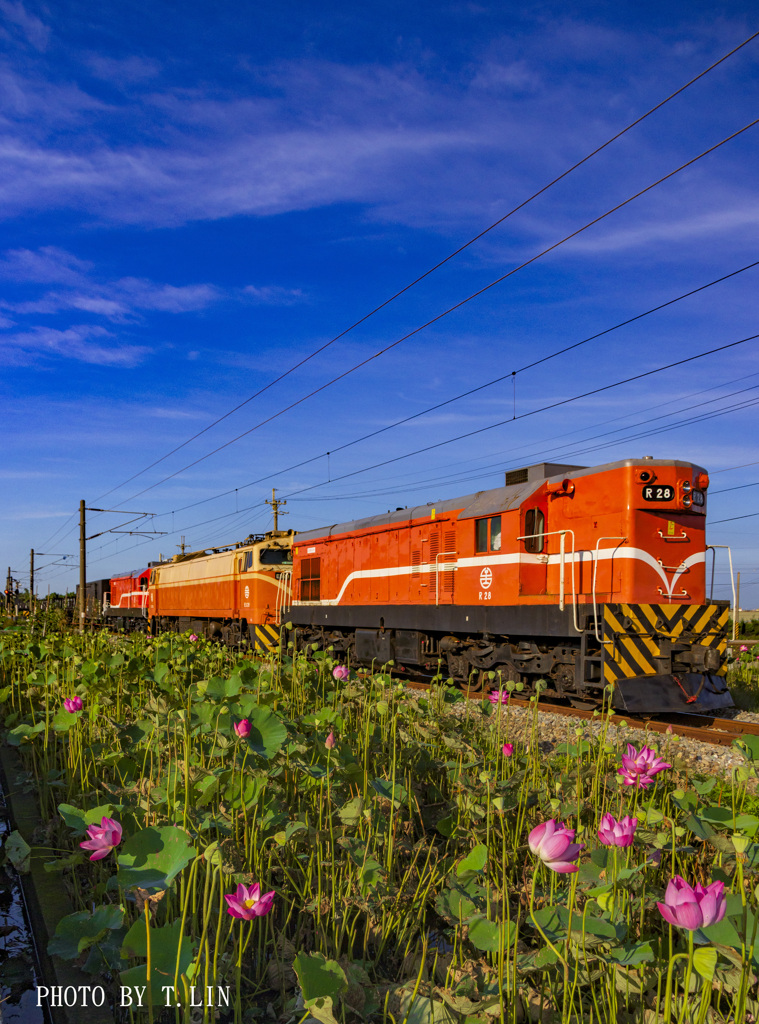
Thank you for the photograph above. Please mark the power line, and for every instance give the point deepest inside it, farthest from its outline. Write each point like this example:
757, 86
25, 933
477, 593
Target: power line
739, 487
729, 469
535, 412
446, 312
732, 519
449, 401
480, 430
554, 453
438, 265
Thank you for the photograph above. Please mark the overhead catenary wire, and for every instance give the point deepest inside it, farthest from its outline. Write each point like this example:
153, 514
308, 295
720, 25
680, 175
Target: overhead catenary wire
553, 405
441, 263
577, 448
475, 390
545, 408
445, 313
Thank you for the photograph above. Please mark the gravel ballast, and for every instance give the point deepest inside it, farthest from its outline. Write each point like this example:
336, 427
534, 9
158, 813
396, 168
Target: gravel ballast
688, 755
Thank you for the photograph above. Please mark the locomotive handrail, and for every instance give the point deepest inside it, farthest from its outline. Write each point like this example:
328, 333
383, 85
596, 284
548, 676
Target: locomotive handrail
438, 556
595, 574
711, 547
284, 591
562, 561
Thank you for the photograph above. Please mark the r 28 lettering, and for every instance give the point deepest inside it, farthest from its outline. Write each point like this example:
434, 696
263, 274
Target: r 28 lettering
662, 493
485, 595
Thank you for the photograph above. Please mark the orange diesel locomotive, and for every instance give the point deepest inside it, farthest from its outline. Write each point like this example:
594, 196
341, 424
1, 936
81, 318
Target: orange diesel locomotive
237, 594
577, 577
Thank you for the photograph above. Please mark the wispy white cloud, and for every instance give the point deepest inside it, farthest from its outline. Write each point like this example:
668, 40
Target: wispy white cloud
120, 300
733, 221
48, 265
34, 31
272, 295
413, 149
123, 71
82, 342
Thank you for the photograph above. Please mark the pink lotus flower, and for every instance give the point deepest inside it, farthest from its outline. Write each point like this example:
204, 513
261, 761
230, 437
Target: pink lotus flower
743, 648
248, 902
72, 704
243, 729
617, 833
193, 637
499, 696
330, 741
341, 672
689, 908
638, 769
508, 749
103, 838
552, 842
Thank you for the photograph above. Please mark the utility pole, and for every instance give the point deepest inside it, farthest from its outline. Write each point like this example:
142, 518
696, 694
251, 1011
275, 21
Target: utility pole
181, 546
275, 505
31, 582
82, 568
8, 590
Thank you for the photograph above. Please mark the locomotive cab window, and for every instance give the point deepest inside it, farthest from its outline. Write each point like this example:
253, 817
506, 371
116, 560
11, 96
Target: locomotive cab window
534, 524
278, 556
310, 579
487, 534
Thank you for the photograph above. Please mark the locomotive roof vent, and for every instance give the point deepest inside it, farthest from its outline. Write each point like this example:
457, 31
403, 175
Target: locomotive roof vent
541, 471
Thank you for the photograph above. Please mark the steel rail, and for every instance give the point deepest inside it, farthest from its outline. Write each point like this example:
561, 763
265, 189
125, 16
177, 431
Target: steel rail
718, 731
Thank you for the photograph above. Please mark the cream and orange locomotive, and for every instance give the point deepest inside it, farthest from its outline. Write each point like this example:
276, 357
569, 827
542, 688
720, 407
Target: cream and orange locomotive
237, 594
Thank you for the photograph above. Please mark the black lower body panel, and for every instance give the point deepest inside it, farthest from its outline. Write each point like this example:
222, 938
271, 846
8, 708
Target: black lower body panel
464, 620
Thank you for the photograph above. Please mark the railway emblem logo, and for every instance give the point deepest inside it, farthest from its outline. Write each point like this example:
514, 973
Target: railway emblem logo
247, 591
486, 578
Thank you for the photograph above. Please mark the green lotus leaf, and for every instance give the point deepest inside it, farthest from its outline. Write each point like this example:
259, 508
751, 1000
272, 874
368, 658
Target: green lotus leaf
18, 852
267, 732
78, 931
154, 856
318, 977
474, 861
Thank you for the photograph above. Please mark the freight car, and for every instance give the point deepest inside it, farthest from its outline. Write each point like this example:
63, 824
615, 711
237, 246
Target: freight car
95, 591
573, 577
237, 594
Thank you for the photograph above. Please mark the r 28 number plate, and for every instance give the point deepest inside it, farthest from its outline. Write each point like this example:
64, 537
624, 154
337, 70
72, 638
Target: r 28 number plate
658, 493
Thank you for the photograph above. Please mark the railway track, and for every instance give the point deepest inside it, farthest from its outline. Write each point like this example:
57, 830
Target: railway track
720, 732
710, 729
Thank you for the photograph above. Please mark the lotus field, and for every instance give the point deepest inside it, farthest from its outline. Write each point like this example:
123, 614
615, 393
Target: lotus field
246, 839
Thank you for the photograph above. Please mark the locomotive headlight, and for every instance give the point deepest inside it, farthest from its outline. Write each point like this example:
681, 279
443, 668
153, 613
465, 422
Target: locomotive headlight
687, 501
686, 485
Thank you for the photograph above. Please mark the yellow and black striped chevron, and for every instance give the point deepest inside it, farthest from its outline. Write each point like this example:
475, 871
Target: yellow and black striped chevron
266, 637
633, 634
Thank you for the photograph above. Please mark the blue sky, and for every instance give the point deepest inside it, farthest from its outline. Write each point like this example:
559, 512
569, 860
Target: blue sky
197, 197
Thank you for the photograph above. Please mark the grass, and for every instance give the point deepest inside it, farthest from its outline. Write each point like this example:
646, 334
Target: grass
405, 889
